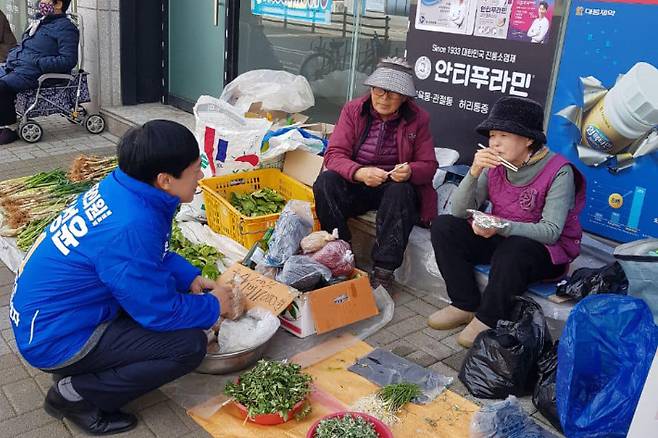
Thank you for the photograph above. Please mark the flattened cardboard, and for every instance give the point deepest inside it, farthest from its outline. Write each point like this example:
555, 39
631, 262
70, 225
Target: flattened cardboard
302, 165
341, 304
258, 290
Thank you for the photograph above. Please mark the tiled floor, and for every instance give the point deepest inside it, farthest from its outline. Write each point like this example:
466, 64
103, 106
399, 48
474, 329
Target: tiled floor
22, 387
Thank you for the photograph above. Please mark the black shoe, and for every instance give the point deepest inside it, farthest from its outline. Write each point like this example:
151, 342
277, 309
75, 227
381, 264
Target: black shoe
381, 277
86, 416
7, 136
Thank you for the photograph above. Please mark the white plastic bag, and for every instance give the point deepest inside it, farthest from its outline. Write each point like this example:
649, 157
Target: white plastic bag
199, 233
251, 330
290, 141
277, 90
228, 142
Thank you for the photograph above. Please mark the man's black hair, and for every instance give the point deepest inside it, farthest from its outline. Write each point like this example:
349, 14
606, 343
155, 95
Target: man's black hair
158, 146
543, 3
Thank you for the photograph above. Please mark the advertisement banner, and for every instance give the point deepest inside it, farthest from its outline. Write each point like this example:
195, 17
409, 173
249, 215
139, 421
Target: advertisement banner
467, 54
605, 112
309, 11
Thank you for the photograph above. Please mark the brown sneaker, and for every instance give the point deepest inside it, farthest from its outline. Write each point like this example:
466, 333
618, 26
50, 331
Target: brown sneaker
470, 332
449, 318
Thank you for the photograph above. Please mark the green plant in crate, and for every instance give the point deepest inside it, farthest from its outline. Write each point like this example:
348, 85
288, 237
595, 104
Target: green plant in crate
258, 203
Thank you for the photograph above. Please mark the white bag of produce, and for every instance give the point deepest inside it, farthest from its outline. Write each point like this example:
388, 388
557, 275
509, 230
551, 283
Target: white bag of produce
228, 142
277, 90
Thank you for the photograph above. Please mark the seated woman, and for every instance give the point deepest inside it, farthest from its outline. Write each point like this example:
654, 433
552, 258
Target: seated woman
380, 156
540, 203
50, 45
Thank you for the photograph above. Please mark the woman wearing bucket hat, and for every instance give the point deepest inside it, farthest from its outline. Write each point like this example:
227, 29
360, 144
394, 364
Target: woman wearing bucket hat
380, 157
533, 231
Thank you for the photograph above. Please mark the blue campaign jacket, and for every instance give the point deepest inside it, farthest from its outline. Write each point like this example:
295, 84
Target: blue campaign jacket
106, 252
52, 49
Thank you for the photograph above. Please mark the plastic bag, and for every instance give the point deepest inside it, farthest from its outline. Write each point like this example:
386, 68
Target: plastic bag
294, 223
604, 357
303, 273
383, 368
276, 143
277, 90
247, 332
506, 419
337, 256
503, 361
639, 259
543, 396
317, 240
588, 281
229, 141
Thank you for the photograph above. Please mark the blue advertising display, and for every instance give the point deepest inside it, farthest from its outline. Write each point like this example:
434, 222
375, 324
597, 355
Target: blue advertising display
310, 11
605, 111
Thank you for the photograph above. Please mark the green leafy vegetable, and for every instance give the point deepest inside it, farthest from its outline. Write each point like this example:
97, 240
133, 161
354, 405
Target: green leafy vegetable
259, 203
271, 387
398, 394
202, 256
347, 426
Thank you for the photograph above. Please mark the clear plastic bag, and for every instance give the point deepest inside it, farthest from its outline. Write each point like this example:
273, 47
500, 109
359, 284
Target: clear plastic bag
337, 256
317, 240
247, 332
303, 273
294, 223
506, 419
277, 90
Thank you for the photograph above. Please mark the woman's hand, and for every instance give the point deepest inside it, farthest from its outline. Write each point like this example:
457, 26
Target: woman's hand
199, 284
371, 176
484, 159
402, 173
483, 232
231, 303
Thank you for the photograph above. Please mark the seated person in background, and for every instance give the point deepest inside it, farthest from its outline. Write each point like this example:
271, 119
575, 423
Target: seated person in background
541, 203
100, 301
380, 156
49, 45
7, 38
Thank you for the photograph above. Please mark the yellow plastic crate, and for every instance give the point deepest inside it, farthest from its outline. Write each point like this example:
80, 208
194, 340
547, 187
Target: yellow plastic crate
225, 219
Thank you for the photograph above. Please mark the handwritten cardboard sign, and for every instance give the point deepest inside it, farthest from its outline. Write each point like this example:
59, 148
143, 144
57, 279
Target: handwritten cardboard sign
260, 291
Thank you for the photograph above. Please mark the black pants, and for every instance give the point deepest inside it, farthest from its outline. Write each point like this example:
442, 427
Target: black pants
516, 262
337, 200
130, 361
7, 105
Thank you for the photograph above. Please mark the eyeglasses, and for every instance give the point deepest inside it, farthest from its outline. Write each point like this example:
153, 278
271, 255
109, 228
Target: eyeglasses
380, 92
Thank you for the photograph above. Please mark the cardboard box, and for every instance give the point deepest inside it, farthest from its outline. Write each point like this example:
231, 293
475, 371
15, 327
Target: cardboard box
331, 307
318, 311
322, 130
303, 166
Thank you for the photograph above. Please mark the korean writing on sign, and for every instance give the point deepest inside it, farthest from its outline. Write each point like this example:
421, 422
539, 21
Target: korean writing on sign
468, 52
435, 98
493, 79
595, 11
476, 107
70, 226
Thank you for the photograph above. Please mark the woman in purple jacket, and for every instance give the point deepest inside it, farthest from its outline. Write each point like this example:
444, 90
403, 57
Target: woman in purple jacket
380, 157
538, 205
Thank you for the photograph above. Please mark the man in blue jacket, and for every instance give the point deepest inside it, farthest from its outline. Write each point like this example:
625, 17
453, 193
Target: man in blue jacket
50, 45
101, 301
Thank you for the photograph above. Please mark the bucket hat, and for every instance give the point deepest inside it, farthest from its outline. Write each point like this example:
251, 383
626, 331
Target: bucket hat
393, 74
517, 115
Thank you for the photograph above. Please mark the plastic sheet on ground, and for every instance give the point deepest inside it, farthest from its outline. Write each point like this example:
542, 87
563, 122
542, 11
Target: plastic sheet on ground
506, 419
204, 393
384, 368
334, 389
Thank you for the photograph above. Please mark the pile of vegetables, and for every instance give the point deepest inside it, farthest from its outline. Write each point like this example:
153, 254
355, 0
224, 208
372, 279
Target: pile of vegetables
259, 203
202, 256
271, 387
347, 426
388, 401
30, 203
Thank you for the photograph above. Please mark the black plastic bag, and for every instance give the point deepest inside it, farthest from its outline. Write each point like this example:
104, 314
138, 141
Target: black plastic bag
303, 273
503, 361
544, 395
609, 279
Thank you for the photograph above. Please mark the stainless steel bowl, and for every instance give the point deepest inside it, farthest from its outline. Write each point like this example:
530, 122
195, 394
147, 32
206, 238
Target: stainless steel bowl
225, 363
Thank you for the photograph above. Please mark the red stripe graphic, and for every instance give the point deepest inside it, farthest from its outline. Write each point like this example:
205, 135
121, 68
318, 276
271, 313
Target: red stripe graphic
208, 147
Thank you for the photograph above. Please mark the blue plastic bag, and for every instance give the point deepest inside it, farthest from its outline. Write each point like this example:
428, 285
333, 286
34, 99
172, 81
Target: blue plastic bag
604, 357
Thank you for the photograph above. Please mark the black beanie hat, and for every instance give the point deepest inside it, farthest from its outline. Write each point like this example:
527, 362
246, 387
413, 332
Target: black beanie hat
517, 115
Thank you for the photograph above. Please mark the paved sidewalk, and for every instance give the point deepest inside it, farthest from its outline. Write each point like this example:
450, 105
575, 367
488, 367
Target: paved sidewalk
22, 388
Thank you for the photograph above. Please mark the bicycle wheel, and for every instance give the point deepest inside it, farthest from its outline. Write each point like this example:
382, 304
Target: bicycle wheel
315, 66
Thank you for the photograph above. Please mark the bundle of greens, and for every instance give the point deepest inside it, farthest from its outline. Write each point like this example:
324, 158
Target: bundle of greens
347, 426
202, 256
91, 167
271, 387
259, 203
387, 402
